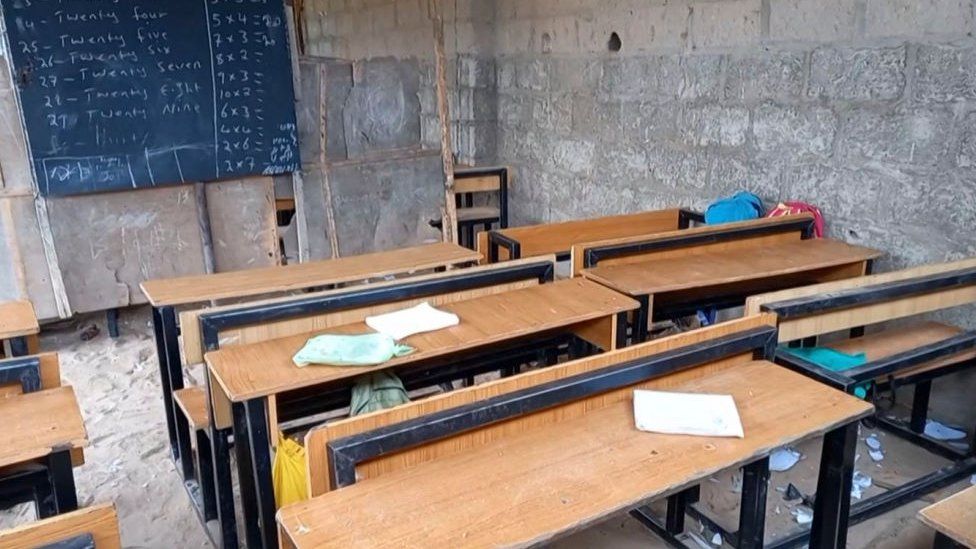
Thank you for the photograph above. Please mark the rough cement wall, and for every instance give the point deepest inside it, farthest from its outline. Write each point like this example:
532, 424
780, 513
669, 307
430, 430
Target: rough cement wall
358, 30
863, 107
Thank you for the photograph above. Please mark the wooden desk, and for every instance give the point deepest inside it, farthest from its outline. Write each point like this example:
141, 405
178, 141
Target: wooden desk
953, 518
166, 294
18, 326
44, 425
531, 487
262, 369
248, 374
559, 238
729, 276
247, 283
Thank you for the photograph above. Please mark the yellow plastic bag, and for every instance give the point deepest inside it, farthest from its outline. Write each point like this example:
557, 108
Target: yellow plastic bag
289, 472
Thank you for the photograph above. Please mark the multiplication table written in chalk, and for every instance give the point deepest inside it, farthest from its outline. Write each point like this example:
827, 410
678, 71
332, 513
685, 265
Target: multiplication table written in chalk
130, 94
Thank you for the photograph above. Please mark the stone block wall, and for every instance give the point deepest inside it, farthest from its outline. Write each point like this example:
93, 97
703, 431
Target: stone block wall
863, 107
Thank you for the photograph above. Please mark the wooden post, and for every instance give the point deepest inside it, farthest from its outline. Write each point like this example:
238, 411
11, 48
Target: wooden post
330, 217
449, 218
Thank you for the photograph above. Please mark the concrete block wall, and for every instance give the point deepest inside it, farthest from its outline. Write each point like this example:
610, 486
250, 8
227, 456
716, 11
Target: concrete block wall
357, 30
866, 108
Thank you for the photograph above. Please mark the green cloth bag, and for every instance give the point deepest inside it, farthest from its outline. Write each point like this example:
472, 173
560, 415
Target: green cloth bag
377, 391
833, 360
350, 350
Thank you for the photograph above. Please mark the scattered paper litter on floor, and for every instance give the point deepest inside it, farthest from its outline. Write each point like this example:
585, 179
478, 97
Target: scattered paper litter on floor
876, 455
873, 442
941, 431
972, 480
859, 484
699, 540
783, 459
802, 515
717, 539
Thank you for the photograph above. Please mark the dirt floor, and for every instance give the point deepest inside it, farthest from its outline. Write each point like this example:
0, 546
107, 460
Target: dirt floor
117, 383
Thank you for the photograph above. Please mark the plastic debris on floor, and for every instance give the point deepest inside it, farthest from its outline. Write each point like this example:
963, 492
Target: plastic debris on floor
802, 515
941, 431
783, 459
861, 482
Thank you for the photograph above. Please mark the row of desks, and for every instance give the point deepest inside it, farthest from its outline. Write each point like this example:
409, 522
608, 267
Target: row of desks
594, 307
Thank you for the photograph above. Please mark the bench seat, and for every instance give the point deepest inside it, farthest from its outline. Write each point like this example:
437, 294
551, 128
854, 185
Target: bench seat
900, 339
193, 401
478, 213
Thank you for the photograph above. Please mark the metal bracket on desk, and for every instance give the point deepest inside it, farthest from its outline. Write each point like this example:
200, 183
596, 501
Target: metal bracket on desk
26, 371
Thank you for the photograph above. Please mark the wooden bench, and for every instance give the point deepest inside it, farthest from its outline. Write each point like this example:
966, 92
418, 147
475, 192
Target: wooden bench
96, 526
677, 273
912, 353
18, 329
165, 295
492, 326
558, 238
264, 320
523, 460
953, 519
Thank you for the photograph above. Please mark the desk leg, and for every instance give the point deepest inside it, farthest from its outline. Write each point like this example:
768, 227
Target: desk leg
832, 505
641, 319
943, 541
752, 512
253, 444
160, 335
674, 521
62, 478
18, 346
920, 406
174, 366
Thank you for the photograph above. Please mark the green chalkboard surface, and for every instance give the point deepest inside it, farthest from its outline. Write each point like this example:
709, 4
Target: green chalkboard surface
123, 94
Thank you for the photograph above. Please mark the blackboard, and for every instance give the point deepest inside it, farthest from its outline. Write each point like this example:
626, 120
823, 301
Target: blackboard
123, 94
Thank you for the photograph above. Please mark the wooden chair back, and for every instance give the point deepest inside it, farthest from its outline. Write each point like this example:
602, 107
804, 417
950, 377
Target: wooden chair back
317, 439
696, 240
844, 304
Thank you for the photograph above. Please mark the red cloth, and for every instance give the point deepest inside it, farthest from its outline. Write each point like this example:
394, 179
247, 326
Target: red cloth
794, 207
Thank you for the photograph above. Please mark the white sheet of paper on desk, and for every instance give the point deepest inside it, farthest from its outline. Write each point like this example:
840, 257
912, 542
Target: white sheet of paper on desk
687, 414
415, 320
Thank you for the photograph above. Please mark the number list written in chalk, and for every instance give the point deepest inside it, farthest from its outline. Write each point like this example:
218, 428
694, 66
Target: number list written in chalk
130, 94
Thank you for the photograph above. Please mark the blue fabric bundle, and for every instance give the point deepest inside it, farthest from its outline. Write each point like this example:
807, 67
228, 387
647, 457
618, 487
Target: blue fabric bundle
742, 206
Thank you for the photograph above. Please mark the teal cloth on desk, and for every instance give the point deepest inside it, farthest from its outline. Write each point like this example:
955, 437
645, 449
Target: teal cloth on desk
350, 350
833, 360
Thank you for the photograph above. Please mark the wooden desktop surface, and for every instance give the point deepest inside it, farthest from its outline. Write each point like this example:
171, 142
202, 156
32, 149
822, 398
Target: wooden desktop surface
17, 319
198, 288
36, 423
530, 487
266, 368
727, 267
954, 516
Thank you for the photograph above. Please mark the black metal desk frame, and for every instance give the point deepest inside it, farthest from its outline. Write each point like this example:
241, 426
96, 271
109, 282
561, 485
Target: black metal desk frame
963, 462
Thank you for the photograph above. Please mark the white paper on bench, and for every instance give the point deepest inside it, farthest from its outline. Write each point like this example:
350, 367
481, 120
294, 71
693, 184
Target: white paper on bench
687, 414
415, 320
